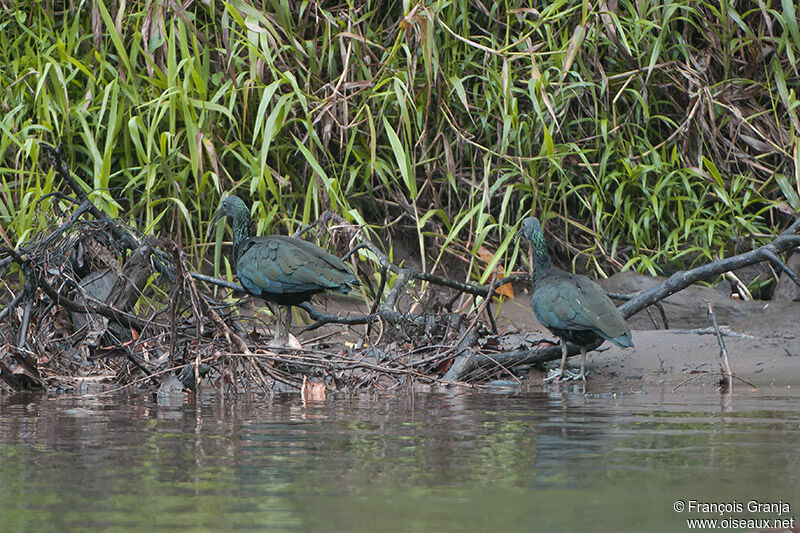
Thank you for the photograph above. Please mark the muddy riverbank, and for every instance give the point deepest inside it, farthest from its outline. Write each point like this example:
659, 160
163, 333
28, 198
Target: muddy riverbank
762, 339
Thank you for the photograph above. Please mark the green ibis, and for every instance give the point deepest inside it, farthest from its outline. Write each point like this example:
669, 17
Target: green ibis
571, 306
278, 268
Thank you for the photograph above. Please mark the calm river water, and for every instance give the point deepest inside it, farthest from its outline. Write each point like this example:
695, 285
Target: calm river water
462, 461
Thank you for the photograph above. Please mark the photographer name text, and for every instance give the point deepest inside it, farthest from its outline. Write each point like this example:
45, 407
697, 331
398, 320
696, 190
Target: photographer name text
778, 510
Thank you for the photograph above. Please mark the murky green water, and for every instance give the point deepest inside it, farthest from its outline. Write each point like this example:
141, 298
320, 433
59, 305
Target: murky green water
559, 461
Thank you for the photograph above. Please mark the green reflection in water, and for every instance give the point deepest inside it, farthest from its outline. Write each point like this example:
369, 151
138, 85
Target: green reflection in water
440, 463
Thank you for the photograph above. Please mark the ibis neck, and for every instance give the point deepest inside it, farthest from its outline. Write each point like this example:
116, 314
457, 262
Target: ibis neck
541, 259
241, 230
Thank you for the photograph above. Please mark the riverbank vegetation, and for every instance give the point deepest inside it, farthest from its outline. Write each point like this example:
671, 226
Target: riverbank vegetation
650, 132
646, 135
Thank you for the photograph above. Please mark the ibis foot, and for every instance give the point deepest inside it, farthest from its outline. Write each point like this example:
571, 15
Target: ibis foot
554, 375
557, 375
575, 376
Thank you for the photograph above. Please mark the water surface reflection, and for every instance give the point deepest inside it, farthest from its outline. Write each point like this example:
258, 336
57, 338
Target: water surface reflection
557, 461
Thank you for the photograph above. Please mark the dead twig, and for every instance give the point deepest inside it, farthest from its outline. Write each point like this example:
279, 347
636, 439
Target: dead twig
726, 383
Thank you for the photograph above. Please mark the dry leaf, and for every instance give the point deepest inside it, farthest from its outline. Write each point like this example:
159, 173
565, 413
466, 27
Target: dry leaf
499, 272
312, 391
293, 342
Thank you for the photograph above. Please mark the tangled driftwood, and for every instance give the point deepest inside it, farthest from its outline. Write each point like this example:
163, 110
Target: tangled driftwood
84, 313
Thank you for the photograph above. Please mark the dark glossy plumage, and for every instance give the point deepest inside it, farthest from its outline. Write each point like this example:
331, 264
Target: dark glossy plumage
281, 269
572, 306
576, 308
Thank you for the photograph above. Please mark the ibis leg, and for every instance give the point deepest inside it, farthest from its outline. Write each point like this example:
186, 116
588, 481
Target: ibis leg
582, 375
289, 319
569, 375
276, 312
555, 375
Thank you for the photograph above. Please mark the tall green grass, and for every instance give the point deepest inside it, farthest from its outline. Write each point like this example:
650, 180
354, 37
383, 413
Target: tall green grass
645, 132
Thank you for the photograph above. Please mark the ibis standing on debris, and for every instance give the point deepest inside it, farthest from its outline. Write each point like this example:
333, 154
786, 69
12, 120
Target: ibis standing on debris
278, 268
571, 306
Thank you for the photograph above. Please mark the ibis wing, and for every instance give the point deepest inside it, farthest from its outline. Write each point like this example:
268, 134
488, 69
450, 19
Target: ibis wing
571, 302
601, 312
279, 264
